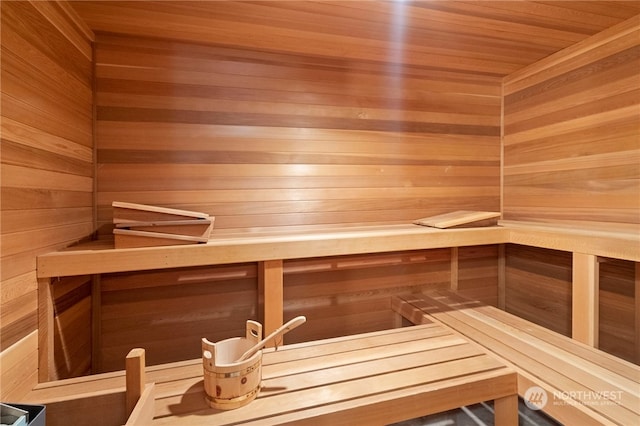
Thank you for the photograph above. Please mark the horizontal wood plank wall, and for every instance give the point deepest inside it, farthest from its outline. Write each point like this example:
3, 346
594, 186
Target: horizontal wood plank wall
263, 140
478, 273
47, 172
572, 153
351, 294
168, 312
539, 290
268, 140
72, 329
617, 309
571, 145
539, 286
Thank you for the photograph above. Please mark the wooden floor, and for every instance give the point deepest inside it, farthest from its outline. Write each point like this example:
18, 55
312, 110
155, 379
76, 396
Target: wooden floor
480, 415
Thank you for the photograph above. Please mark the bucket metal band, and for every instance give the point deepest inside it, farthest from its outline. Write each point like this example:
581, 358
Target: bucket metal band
243, 372
233, 400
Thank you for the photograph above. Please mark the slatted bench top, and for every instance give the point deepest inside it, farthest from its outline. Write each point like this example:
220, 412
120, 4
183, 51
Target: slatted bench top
583, 385
101, 257
621, 241
373, 378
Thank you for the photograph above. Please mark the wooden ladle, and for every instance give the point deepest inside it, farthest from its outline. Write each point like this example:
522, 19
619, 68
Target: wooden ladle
279, 332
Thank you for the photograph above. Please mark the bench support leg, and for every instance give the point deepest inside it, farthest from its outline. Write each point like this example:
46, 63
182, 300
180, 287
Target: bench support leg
46, 367
135, 378
585, 299
270, 295
506, 411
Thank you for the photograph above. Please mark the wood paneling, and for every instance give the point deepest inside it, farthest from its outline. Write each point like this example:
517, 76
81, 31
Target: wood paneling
47, 177
264, 140
167, 312
351, 294
571, 122
539, 290
617, 309
538, 286
572, 153
487, 37
478, 273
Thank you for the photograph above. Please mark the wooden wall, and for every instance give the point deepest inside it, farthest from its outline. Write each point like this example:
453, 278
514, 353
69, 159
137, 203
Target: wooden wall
539, 286
268, 140
168, 312
617, 309
539, 290
572, 152
47, 179
264, 139
571, 146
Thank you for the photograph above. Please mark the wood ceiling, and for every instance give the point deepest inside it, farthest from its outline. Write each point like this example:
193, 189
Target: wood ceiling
481, 37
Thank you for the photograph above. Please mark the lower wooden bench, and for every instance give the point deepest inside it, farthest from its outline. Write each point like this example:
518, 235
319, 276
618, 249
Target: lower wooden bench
373, 378
572, 382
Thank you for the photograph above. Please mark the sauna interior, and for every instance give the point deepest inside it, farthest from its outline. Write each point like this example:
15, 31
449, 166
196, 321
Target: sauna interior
298, 118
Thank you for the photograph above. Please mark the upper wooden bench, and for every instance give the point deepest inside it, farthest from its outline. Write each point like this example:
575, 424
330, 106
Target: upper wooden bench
582, 385
607, 240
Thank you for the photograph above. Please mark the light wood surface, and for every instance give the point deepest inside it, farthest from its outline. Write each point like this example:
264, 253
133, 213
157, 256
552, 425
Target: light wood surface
271, 294
337, 241
129, 238
286, 139
313, 144
248, 248
448, 220
491, 37
313, 279
373, 378
122, 211
603, 239
142, 414
571, 147
135, 365
585, 301
356, 365
47, 179
542, 358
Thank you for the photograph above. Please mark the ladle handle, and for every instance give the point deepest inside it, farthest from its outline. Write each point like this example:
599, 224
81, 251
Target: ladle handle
290, 325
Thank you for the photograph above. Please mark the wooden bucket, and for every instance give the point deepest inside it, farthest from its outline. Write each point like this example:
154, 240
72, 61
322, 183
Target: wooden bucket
229, 384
